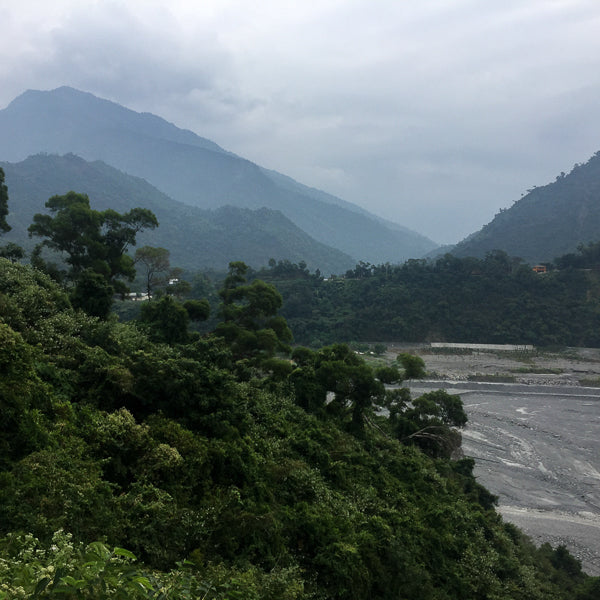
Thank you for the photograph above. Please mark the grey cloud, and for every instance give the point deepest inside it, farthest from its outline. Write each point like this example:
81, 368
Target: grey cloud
433, 114
114, 51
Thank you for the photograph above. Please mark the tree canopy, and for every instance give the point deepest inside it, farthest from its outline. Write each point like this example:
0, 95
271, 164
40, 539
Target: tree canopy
250, 323
156, 264
91, 239
134, 468
143, 460
497, 299
93, 244
4, 226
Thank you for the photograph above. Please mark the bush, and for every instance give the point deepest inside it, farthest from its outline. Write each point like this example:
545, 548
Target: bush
414, 367
388, 374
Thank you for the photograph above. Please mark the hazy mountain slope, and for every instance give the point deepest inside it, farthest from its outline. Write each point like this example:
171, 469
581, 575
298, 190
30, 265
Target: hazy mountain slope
192, 169
196, 238
52, 119
549, 221
412, 244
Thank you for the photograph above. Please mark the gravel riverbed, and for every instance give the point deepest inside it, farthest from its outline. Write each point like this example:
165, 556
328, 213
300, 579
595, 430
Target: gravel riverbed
534, 432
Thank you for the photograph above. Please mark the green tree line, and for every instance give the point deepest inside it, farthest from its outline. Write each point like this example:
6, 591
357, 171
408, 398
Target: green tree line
496, 299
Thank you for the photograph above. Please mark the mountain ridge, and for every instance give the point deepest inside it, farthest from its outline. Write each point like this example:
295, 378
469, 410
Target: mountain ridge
549, 221
196, 238
67, 97
192, 169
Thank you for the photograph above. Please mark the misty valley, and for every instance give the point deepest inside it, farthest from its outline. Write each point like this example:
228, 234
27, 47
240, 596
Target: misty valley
218, 383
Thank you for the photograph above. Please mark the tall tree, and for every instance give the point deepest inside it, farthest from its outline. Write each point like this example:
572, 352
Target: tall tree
156, 264
250, 321
11, 251
91, 241
4, 226
167, 320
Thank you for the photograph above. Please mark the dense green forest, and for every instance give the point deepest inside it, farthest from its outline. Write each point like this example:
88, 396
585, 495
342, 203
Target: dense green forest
496, 299
144, 460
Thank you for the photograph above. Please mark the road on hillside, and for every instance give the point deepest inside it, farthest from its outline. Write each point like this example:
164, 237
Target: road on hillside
538, 449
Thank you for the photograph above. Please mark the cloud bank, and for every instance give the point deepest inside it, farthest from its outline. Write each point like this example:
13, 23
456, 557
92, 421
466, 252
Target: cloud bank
434, 115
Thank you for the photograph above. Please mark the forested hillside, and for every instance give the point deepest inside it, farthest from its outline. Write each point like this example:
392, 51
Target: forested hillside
547, 222
497, 299
144, 460
197, 239
227, 473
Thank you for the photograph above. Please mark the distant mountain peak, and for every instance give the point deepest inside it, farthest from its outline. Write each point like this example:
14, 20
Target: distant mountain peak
549, 221
91, 113
192, 169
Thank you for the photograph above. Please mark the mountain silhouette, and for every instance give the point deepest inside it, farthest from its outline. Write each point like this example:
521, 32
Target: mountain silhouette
192, 169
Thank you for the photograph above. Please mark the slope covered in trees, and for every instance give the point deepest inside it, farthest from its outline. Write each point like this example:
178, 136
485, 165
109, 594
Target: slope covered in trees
143, 460
547, 222
196, 238
496, 299
196, 451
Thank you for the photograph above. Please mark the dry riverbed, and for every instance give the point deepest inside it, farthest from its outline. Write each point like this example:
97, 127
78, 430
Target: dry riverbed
572, 366
534, 431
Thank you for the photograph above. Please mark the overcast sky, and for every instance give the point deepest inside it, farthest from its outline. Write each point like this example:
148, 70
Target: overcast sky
434, 114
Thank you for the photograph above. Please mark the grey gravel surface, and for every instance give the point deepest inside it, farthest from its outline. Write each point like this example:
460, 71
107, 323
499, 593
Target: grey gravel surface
537, 447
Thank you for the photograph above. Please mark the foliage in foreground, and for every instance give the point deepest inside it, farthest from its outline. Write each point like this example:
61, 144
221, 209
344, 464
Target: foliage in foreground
231, 472
74, 570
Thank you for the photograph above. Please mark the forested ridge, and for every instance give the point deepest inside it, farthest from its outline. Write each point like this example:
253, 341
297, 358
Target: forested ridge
144, 460
496, 299
548, 221
197, 238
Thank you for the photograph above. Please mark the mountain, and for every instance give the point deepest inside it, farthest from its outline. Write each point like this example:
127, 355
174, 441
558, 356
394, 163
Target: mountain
197, 238
547, 222
192, 169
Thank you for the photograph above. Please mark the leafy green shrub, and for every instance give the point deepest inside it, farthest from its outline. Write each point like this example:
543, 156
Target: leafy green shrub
414, 366
388, 374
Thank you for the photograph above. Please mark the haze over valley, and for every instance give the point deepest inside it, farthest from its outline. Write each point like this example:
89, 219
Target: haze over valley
432, 115
329, 233
300, 301
191, 170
